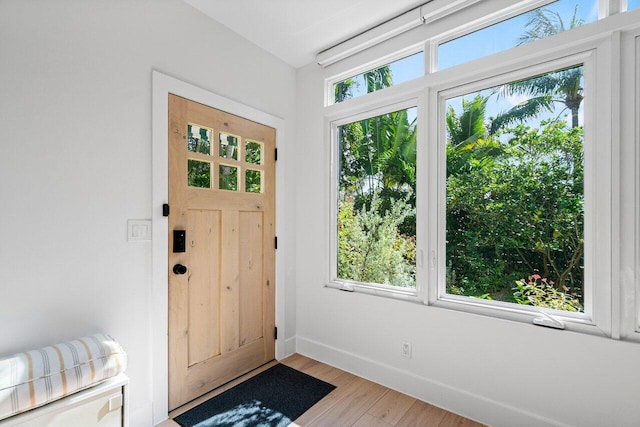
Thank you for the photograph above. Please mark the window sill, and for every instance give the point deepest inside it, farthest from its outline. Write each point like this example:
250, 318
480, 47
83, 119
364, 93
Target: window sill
522, 314
403, 294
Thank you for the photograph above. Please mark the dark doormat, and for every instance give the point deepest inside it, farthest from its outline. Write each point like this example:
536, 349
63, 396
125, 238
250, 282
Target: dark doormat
275, 397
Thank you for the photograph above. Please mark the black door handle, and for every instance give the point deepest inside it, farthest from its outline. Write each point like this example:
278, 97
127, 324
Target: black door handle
179, 269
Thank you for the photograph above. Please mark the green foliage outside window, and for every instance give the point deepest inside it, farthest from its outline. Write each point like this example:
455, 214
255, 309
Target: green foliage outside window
540, 292
517, 212
253, 183
370, 247
514, 192
198, 174
376, 206
228, 178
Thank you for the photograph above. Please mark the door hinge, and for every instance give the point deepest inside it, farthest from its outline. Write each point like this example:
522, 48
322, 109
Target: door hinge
275, 333
165, 209
276, 242
275, 157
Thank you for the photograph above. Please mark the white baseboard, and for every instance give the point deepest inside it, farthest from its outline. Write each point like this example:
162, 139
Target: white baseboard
473, 406
289, 347
142, 416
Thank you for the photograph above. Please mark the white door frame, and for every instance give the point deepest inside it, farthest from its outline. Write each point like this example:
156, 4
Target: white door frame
162, 85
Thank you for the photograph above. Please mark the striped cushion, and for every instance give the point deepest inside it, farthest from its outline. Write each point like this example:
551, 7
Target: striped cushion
37, 377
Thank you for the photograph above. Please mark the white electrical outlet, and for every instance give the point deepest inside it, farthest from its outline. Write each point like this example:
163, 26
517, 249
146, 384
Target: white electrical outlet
405, 349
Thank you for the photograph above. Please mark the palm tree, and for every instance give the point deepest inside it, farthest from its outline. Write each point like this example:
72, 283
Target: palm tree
379, 78
397, 160
544, 23
544, 92
469, 126
562, 86
378, 155
375, 80
344, 90
469, 139
379, 151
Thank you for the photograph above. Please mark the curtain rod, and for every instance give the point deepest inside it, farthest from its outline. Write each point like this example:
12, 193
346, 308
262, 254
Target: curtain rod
428, 12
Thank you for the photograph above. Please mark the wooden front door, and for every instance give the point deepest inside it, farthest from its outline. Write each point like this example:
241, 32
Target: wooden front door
221, 248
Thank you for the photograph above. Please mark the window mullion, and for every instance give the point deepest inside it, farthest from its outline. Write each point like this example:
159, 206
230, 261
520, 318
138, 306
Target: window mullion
608, 8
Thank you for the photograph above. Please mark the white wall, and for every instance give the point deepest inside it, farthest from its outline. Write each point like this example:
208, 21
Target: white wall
75, 161
499, 372
75, 164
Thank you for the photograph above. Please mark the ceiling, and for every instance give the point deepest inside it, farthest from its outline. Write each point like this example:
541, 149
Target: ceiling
296, 30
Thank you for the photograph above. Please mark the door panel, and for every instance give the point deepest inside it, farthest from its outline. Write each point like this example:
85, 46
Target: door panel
203, 242
251, 224
222, 193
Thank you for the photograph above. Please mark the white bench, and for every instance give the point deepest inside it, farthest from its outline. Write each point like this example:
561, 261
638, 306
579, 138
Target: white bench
75, 383
103, 405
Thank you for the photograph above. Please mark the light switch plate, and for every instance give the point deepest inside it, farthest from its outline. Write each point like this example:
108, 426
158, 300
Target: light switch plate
138, 230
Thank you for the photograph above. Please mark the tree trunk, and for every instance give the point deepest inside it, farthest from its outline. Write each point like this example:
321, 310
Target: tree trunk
574, 118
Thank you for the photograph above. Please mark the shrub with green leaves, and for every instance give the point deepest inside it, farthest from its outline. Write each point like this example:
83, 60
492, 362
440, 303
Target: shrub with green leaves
516, 210
370, 247
540, 292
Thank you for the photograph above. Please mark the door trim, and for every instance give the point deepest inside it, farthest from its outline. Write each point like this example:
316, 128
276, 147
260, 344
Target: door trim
162, 85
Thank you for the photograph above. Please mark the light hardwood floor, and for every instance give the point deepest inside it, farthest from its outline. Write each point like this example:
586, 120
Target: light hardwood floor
355, 402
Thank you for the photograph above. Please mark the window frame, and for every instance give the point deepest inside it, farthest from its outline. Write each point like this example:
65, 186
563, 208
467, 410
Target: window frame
630, 161
345, 116
615, 281
596, 171
480, 23
370, 66
636, 132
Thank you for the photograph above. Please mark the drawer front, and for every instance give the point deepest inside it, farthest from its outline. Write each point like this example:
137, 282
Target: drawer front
104, 410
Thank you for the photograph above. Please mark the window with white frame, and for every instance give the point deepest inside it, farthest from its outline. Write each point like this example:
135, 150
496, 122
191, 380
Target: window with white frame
376, 199
393, 73
513, 201
536, 24
503, 203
